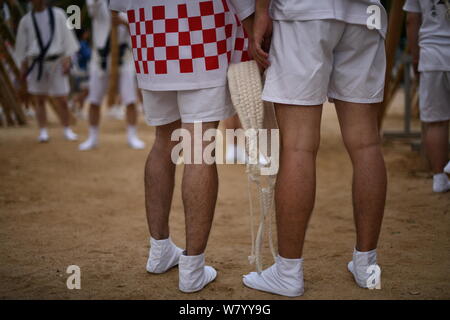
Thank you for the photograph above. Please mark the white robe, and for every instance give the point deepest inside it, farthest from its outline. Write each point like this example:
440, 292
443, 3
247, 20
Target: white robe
185, 44
101, 28
64, 42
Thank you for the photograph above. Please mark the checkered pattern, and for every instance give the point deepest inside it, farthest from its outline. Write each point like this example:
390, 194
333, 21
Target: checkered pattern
196, 37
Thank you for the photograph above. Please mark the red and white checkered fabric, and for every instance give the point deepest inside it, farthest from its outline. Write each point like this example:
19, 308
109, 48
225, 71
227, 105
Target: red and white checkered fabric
194, 38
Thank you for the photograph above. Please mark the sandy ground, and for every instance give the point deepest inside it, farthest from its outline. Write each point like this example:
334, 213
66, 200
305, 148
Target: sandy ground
61, 207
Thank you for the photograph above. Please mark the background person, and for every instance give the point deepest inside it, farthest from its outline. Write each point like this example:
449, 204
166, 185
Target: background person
99, 72
320, 50
428, 26
44, 47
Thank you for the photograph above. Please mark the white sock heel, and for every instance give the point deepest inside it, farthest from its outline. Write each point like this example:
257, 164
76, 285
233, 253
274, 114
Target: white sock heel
447, 168
163, 255
194, 275
362, 267
441, 183
92, 140
133, 140
285, 278
70, 135
43, 135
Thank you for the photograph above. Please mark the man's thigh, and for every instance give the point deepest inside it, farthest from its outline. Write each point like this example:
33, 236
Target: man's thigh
299, 126
359, 123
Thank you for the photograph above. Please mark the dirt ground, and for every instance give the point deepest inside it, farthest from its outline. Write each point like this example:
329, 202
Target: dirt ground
61, 207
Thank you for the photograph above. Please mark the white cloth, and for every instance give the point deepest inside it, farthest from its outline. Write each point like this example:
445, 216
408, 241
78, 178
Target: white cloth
194, 275
434, 34
363, 267
98, 84
101, 23
434, 96
101, 29
350, 11
6, 13
441, 183
53, 82
313, 60
205, 105
64, 41
163, 255
285, 278
185, 44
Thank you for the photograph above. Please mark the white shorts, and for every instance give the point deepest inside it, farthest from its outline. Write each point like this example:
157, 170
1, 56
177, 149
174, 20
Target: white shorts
53, 82
434, 96
313, 60
98, 84
201, 105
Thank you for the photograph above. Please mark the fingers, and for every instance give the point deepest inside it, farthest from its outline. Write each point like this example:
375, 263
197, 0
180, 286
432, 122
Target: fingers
260, 56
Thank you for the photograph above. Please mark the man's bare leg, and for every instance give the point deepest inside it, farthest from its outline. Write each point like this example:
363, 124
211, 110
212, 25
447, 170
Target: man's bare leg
436, 145
131, 114
41, 116
160, 181
41, 113
94, 115
94, 121
199, 191
64, 116
295, 192
132, 137
361, 137
296, 184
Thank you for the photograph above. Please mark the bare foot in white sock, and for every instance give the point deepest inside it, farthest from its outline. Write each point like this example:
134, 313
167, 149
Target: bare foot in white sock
365, 269
194, 275
163, 255
285, 278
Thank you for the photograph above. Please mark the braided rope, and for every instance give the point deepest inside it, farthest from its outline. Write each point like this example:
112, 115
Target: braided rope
246, 87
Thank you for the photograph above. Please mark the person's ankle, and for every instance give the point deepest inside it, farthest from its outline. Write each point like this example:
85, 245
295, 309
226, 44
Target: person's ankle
160, 236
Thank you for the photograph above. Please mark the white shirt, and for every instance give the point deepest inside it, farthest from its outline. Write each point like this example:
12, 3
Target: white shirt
101, 29
101, 23
64, 42
350, 11
434, 34
185, 44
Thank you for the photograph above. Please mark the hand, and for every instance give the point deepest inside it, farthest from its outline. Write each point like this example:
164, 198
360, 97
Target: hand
66, 65
261, 38
117, 20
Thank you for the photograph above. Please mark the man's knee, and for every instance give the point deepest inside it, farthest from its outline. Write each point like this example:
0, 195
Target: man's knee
163, 138
301, 144
357, 144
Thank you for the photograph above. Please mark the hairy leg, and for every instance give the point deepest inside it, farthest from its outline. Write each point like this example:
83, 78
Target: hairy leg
41, 113
199, 189
131, 114
296, 183
361, 137
94, 115
64, 116
160, 181
436, 145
